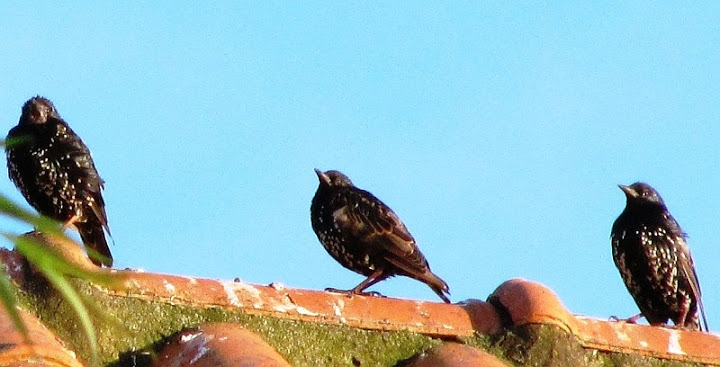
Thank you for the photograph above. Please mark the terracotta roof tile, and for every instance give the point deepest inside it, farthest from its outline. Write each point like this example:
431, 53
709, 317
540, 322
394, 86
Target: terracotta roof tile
532, 303
483, 316
68, 249
375, 313
456, 355
13, 264
43, 350
661, 342
514, 303
219, 344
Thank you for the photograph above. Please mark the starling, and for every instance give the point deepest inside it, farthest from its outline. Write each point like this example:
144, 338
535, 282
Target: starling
53, 169
364, 235
654, 260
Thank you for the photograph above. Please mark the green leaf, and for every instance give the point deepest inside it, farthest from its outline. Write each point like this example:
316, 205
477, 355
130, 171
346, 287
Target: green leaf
43, 224
56, 269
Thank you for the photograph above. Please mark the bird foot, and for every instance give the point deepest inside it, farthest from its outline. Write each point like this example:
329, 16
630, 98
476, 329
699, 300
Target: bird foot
351, 293
683, 327
630, 320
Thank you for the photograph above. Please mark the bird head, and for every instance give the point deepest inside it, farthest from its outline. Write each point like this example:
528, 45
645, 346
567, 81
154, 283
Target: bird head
37, 110
642, 193
333, 178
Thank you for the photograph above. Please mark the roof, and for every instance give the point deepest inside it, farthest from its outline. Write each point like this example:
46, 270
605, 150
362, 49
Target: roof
169, 320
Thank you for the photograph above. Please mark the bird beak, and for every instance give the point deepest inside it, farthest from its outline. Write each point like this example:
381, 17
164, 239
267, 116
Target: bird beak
322, 177
629, 192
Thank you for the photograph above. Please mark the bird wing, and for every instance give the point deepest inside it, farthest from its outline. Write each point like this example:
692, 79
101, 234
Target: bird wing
374, 223
80, 166
16, 138
686, 264
687, 269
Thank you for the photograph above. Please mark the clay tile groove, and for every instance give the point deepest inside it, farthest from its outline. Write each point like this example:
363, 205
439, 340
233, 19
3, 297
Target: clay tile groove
220, 344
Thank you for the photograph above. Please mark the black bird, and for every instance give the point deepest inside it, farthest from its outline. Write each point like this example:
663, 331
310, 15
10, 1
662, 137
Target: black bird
53, 169
364, 235
654, 260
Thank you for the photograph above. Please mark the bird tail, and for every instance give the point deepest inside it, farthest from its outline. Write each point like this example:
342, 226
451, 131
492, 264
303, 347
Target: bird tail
436, 284
93, 237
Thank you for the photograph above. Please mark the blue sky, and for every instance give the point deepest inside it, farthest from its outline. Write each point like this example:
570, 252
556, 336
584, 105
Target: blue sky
497, 132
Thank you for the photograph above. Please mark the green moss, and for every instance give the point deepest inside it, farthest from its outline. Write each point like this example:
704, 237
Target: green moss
140, 325
143, 325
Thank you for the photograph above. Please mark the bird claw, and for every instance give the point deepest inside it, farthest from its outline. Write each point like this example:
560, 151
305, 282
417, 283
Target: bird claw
629, 320
335, 290
351, 293
373, 294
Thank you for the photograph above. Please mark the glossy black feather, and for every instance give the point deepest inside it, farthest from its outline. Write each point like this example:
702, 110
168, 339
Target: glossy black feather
54, 171
365, 235
650, 251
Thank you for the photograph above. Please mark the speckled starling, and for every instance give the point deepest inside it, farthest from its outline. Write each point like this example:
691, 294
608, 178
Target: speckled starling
364, 235
53, 169
654, 260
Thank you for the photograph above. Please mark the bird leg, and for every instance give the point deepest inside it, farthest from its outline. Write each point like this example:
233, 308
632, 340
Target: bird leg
71, 221
375, 277
634, 319
686, 320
